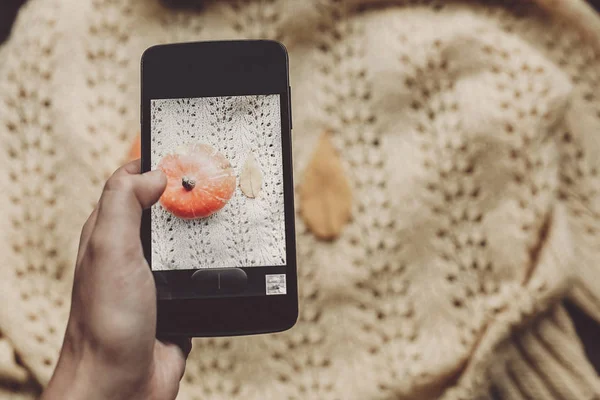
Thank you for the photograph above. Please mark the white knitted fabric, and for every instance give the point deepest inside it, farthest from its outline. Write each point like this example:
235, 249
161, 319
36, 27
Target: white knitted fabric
468, 132
237, 126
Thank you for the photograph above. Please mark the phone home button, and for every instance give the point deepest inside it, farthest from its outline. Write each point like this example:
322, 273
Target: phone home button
220, 281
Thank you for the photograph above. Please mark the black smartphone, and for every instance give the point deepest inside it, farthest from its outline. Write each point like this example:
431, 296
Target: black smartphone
216, 119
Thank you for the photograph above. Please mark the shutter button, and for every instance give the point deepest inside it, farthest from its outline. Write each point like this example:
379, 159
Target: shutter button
220, 281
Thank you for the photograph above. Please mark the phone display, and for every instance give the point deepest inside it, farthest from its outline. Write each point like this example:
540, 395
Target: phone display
224, 204
216, 119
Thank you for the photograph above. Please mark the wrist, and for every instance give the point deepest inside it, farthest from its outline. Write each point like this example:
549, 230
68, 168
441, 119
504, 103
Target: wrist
71, 378
68, 382
81, 377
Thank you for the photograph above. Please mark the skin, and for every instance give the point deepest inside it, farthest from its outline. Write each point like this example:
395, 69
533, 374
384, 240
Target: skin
110, 350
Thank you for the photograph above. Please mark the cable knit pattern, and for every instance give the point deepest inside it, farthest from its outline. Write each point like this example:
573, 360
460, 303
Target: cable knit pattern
468, 132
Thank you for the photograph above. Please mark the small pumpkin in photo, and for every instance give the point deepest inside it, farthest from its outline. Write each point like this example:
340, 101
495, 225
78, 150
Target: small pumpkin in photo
200, 181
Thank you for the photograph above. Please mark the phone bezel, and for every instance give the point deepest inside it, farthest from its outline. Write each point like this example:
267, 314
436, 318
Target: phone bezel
222, 68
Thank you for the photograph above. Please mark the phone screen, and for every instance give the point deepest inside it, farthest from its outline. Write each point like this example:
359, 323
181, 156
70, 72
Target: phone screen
223, 206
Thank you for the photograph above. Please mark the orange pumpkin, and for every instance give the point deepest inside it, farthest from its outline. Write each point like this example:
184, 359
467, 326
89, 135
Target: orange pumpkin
200, 181
135, 151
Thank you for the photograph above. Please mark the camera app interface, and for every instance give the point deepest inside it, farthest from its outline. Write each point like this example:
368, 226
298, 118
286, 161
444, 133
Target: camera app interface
223, 205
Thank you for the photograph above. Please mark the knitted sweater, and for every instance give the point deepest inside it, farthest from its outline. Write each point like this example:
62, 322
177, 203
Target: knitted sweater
467, 131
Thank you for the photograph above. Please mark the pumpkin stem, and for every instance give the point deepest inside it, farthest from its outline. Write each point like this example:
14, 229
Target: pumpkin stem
188, 183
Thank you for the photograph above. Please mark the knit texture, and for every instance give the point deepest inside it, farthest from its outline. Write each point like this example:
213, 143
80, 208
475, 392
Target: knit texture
468, 132
238, 127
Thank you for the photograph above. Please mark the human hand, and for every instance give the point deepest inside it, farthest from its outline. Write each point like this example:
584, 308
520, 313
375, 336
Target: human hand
110, 349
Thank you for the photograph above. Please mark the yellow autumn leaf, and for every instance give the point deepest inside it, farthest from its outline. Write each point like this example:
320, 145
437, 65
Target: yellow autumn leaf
325, 195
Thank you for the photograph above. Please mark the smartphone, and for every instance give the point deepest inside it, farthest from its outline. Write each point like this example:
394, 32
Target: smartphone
216, 119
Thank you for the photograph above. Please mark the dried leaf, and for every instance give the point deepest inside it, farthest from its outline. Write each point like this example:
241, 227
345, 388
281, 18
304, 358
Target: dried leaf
325, 194
251, 178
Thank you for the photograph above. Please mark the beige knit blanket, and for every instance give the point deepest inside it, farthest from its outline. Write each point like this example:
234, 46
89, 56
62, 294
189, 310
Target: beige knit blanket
469, 134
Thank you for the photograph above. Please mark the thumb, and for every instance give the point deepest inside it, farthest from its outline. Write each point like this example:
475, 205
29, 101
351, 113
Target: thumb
125, 195
151, 186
